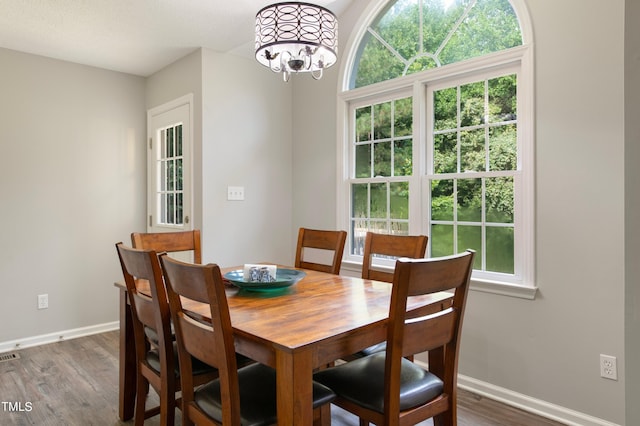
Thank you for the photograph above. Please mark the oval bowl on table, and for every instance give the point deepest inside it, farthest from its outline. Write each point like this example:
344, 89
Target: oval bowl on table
284, 278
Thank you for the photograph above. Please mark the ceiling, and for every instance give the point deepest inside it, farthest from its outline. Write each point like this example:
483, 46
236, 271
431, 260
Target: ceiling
137, 37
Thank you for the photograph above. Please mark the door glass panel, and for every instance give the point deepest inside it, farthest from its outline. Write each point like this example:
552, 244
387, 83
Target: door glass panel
171, 179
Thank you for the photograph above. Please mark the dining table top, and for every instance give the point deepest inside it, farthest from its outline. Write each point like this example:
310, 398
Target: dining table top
320, 306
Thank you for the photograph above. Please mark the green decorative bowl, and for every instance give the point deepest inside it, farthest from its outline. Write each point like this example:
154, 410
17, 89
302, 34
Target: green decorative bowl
284, 278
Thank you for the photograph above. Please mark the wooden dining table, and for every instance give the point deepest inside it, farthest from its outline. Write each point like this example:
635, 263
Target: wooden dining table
296, 330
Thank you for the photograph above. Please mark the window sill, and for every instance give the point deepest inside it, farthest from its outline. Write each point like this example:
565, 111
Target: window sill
354, 269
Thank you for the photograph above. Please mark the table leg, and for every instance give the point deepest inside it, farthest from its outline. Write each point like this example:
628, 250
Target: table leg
127, 388
294, 388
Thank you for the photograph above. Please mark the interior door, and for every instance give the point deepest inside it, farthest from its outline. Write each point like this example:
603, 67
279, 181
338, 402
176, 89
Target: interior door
169, 186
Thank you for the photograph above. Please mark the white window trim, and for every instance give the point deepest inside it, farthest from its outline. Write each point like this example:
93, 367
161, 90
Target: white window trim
521, 56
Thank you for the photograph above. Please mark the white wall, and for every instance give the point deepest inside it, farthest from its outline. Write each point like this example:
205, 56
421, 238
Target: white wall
246, 142
72, 144
242, 127
547, 349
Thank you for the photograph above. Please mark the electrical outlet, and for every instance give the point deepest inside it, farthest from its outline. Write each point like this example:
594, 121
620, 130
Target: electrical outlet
608, 367
235, 193
43, 301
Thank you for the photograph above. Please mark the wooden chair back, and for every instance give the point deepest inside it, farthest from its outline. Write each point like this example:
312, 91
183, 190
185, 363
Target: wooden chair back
169, 242
396, 246
323, 240
211, 342
151, 320
439, 333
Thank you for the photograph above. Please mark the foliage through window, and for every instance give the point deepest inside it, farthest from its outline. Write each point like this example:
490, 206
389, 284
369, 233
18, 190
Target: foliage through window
416, 35
441, 154
474, 164
383, 162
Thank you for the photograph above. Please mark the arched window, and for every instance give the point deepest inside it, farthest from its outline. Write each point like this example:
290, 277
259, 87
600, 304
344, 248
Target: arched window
438, 125
415, 35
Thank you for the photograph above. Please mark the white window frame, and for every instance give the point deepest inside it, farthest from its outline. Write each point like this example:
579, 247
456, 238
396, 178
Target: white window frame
519, 59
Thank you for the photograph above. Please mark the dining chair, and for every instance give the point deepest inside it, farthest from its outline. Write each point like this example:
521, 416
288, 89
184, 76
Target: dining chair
394, 246
329, 241
388, 389
245, 396
169, 242
156, 351
391, 246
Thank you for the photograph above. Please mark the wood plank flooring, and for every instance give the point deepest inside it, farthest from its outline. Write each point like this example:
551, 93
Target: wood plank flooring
75, 382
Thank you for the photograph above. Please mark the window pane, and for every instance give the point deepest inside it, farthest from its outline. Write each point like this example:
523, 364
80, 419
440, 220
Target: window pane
441, 240
363, 124
440, 20
472, 104
170, 142
382, 159
358, 233
179, 140
503, 148
170, 209
379, 226
377, 63
404, 15
170, 175
163, 176
472, 151
445, 156
469, 200
403, 117
499, 199
502, 99
403, 158
363, 161
179, 209
442, 199
382, 121
399, 228
500, 247
445, 109
163, 144
470, 237
162, 202
359, 200
492, 21
378, 207
399, 200
179, 174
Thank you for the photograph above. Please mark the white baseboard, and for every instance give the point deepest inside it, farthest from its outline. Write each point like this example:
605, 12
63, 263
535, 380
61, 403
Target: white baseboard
532, 405
43, 339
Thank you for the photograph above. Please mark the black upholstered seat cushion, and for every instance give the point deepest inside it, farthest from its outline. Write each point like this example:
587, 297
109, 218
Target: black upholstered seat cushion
379, 347
152, 335
362, 382
198, 367
257, 385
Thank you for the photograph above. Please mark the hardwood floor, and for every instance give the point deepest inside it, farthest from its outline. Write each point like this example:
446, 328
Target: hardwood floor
75, 382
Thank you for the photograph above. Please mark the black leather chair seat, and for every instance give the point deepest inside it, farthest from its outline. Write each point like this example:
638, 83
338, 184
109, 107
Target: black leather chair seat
257, 384
362, 382
199, 367
153, 336
379, 347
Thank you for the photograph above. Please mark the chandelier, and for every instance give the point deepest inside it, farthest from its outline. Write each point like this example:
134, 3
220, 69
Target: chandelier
293, 37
